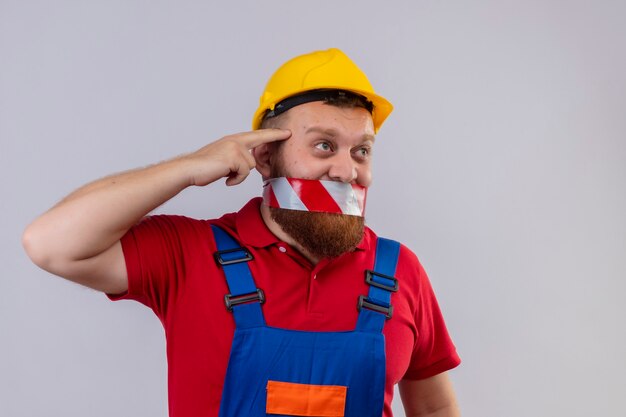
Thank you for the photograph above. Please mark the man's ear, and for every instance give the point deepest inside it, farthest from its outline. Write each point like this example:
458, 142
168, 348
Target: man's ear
262, 155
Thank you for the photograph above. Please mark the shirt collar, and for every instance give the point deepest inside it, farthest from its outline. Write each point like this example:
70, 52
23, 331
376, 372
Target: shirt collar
250, 225
253, 231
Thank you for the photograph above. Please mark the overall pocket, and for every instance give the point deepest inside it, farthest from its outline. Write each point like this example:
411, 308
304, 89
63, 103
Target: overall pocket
291, 399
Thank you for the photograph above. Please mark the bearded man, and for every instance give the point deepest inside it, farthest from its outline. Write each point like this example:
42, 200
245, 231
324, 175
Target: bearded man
290, 306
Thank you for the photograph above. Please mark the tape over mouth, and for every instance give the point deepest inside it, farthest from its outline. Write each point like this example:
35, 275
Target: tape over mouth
320, 196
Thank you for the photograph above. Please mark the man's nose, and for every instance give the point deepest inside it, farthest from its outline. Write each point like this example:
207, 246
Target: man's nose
343, 168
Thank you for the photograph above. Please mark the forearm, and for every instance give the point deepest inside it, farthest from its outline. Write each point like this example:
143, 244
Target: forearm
94, 217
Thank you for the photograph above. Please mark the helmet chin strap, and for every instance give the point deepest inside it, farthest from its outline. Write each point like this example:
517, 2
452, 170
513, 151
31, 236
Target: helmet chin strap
315, 195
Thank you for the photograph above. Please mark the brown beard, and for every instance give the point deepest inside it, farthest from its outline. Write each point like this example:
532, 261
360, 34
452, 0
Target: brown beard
323, 235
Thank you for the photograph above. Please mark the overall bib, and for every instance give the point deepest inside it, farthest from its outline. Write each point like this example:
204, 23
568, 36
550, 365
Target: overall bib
279, 372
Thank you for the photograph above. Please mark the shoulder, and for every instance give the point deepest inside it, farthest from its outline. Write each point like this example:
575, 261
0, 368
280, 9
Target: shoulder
178, 228
408, 261
409, 269
166, 232
170, 222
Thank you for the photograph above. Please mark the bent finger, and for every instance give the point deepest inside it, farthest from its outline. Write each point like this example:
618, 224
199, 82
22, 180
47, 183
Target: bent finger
249, 159
237, 177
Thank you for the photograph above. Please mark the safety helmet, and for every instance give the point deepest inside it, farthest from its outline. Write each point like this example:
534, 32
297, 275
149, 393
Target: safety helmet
320, 70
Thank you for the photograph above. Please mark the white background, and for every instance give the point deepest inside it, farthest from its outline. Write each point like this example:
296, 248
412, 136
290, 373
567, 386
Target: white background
503, 167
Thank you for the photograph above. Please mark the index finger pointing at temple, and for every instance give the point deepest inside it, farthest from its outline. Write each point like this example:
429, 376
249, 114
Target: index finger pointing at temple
261, 136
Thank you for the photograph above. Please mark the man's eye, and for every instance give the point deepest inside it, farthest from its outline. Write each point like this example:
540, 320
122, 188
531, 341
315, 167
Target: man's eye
324, 146
363, 152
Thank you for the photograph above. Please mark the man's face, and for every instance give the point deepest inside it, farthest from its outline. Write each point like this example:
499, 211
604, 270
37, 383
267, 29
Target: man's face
327, 143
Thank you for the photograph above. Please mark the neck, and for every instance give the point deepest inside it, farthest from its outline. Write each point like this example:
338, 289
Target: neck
282, 235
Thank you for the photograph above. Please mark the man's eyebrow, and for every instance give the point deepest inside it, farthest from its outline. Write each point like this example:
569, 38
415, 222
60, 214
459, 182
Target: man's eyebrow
332, 133
317, 129
370, 138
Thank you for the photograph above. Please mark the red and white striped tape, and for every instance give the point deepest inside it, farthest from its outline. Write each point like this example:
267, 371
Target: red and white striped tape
315, 195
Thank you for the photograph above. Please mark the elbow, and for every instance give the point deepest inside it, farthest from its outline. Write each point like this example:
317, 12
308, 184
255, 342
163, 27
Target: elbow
35, 246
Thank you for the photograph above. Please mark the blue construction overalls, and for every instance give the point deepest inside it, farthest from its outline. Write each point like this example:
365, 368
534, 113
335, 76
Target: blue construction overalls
279, 372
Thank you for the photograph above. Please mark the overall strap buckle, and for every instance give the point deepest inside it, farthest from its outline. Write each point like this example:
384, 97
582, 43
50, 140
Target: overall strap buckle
233, 300
233, 260
382, 281
368, 303
229, 256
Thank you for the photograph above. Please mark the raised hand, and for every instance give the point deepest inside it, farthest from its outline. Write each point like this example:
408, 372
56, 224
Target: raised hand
79, 238
229, 157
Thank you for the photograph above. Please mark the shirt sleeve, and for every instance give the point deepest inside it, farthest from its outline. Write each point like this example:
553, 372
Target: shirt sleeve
433, 351
156, 252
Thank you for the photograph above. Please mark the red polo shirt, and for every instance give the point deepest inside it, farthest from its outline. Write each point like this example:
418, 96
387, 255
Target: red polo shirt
171, 270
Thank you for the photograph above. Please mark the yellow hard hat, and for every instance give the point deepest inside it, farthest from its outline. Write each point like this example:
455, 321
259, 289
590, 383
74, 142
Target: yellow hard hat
320, 70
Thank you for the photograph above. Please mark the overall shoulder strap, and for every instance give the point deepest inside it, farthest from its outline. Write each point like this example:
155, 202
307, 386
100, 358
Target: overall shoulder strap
245, 298
376, 307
